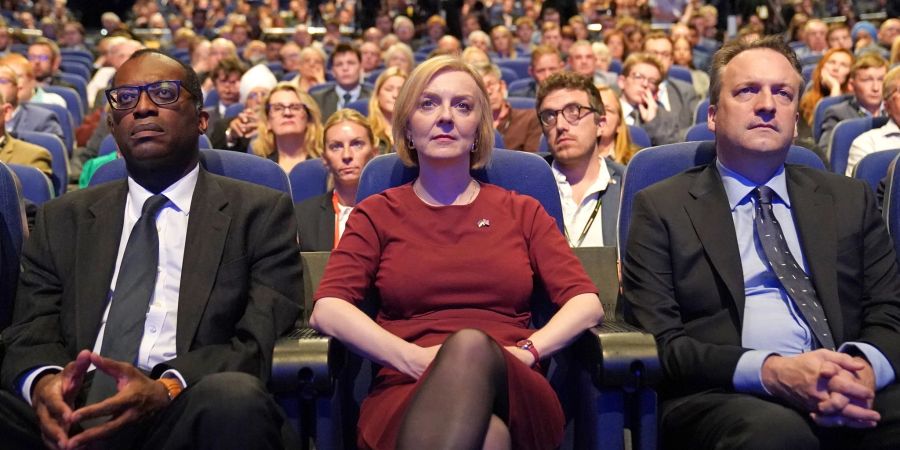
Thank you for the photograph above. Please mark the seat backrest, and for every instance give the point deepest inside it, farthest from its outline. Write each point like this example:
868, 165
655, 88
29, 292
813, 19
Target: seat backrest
601, 264
203, 141
639, 136
36, 187
517, 65
80, 86
615, 66
234, 109
699, 132
522, 172
702, 113
211, 98
520, 84
73, 102
873, 167
891, 206
13, 232
321, 87
680, 73
655, 164
819, 113
59, 157
237, 165
308, 179
498, 139
521, 102
75, 68
360, 106
842, 137
508, 75
65, 122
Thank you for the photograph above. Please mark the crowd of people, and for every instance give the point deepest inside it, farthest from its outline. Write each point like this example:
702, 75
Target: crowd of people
777, 324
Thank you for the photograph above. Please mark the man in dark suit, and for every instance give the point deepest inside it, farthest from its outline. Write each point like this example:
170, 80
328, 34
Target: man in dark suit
866, 78
196, 289
675, 96
26, 117
346, 68
639, 83
572, 116
226, 78
545, 61
772, 289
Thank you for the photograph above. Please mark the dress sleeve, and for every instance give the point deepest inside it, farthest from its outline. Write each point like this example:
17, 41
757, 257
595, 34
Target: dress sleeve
351, 268
551, 258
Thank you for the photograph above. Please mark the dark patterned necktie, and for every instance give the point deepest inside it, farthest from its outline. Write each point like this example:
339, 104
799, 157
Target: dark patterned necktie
131, 298
346, 100
795, 282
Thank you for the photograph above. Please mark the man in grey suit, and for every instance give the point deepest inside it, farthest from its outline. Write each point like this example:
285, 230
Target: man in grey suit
347, 71
572, 116
26, 117
866, 78
675, 96
226, 78
640, 82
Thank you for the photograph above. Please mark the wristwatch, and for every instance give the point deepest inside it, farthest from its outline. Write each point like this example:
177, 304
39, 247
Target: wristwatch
526, 344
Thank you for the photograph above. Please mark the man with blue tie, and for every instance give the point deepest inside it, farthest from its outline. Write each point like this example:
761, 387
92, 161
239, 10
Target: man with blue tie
772, 289
346, 67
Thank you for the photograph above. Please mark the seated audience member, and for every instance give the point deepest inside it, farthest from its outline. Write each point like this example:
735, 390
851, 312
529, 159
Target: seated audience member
349, 145
15, 151
615, 139
348, 86
839, 36
447, 45
219, 49
289, 127
475, 56
683, 55
615, 40
545, 61
639, 83
815, 40
235, 133
404, 29
582, 60
254, 52
675, 96
480, 40
24, 116
381, 107
551, 36
525, 28
289, 55
771, 288
830, 79
29, 89
72, 36
863, 34
311, 70
603, 56
886, 137
481, 389
118, 50
519, 127
371, 57
45, 59
571, 113
436, 28
866, 80
504, 43
887, 32
895, 53
227, 78
111, 369
400, 55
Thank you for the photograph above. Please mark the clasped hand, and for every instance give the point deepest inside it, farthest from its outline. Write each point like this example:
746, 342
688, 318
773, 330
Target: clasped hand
836, 389
54, 395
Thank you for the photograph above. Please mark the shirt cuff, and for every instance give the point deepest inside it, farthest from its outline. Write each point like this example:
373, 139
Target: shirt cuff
884, 373
175, 375
27, 380
748, 373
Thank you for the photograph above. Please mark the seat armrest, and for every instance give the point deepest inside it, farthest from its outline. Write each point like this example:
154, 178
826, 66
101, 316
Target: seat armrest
621, 355
303, 362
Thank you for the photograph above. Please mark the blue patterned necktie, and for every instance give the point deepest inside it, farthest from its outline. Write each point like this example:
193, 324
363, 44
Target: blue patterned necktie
795, 282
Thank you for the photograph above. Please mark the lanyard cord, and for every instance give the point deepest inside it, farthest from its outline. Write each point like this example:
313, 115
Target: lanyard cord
587, 226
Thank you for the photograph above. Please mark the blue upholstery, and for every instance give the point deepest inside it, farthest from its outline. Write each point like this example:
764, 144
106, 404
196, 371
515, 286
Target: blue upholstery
75, 68
521, 102
59, 158
321, 86
654, 164
808, 72
842, 137
875, 166
308, 179
80, 86
73, 102
811, 59
508, 75
108, 144
615, 66
12, 236
204, 142
702, 112
639, 136
523, 172
76, 51
234, 109
288, 76
699, 132
681, 73
372, 77
519, 84
517, 65
211, 98
65, 122
498, 139
237, 165
361, 106
819, 113
36, 187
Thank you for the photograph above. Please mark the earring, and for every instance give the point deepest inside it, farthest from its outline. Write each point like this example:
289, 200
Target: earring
409, 143
474, 144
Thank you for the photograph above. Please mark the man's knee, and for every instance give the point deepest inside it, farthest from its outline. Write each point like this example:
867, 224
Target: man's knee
770, 428
231, 394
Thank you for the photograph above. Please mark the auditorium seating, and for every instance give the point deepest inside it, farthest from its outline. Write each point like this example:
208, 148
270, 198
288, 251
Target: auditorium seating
308, 179
73, 102
65, 122
36, 187
13, 232
819, 113
873, 167
891, 206
59, 157
842, 138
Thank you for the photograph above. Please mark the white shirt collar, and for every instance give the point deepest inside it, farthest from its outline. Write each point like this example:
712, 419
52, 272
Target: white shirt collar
180, 193
599, 185
890, 128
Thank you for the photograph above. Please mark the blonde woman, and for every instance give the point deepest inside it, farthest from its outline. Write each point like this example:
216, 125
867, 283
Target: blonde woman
381, 107
290, 127
400, 55
615, 142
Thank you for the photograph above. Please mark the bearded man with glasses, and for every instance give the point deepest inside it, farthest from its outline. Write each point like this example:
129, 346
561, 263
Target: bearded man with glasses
147, 309
571, 114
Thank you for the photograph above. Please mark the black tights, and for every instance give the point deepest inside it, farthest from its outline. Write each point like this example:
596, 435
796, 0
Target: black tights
454, 404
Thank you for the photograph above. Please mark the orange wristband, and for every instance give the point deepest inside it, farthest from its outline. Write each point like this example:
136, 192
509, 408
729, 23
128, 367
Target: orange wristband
173, 387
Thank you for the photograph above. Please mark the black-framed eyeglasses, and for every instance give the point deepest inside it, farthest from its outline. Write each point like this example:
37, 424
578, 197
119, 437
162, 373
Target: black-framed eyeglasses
573, 112
164, 92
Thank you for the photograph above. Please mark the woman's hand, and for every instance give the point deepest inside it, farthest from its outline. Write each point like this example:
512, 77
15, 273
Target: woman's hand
831, 83
522, 355
417, 359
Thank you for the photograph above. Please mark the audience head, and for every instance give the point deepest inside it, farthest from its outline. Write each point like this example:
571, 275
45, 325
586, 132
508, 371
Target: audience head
615, 40
400, 55
545, 61
551, 35
372, 34
404, 29
615, 130
290, 57
867, 80
494, 85
470, 23
371, 56
254, 52
383, 22
602, 55
475, 56
200, 50
839, 36
219, 49
641, 75
381, 104
24, 75
659, 45
289, 112
582, 59
273, 47
888, 31
524, 30
683, 53
45, 58
480, 40
312, 63
502, 40
572, 117
226, 78
436, 26
348, 146
345, 66
121, 50
678, 31
72, 34
815, 34
863, 34
448, 45
6, 109
156, 127
891, 97
895, 52
9, 85
443, 95
255, 85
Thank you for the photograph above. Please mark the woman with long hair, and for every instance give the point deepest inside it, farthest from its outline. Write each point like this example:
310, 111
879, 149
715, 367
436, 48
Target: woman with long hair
829, 79
615, 141
381, 106
290, 127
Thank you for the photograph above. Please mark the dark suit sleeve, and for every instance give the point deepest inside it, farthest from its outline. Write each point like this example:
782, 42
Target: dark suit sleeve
828, 123
663, 129
51, 126
270, 303
653, 296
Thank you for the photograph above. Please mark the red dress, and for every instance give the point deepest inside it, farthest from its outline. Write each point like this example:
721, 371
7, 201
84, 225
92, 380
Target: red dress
441, 269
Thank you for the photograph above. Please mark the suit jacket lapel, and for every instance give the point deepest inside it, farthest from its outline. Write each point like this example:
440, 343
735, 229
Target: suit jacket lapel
711, 217
97, 248
206, 234
326, 223
814, 218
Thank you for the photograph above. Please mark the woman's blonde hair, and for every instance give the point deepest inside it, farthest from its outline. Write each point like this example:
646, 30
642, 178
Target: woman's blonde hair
347, 115
623, 149
409, 99
312, 139
376, 115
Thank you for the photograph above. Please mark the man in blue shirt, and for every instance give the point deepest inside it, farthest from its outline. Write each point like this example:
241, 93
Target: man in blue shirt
772, 289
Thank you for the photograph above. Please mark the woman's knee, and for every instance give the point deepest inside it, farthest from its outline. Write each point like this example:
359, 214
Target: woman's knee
472, 346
